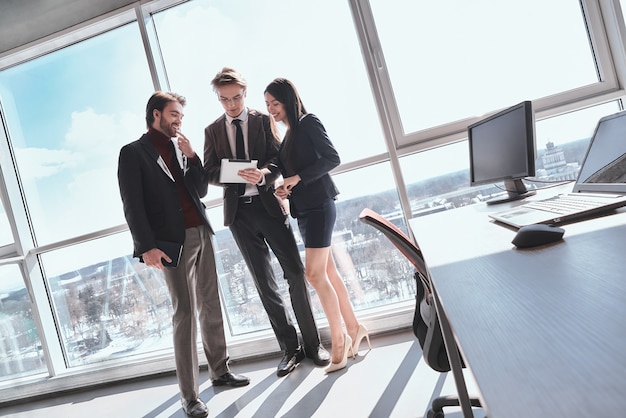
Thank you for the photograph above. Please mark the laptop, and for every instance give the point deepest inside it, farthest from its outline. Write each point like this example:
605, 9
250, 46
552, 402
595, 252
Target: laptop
600, 186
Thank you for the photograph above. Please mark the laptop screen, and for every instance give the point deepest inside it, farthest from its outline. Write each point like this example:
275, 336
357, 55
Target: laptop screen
604, 166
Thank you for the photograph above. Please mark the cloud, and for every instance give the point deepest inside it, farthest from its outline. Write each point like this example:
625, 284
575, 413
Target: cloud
37, 163
83, 171
92, 141
101, 135
97, 138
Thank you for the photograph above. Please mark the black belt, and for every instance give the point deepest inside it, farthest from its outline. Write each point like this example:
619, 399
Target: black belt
248, 199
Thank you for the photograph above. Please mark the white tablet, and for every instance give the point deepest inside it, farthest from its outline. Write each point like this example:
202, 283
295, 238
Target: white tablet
230, 167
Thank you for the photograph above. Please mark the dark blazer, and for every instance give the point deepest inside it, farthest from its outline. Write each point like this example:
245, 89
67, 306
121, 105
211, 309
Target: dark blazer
311, 155
150, 197
262, 146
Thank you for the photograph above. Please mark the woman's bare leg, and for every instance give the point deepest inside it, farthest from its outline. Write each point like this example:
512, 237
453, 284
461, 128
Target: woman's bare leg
347, 311
316, 264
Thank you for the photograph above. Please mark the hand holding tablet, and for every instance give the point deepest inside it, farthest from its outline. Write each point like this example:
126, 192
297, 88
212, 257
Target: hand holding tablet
230, 168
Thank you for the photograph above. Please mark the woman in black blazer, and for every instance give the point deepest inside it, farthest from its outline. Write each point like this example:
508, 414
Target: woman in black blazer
306, 157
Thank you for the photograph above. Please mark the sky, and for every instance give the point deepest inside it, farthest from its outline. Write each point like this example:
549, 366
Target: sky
470, 63
68, 115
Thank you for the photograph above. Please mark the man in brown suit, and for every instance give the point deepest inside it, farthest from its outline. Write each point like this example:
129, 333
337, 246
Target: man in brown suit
257, 219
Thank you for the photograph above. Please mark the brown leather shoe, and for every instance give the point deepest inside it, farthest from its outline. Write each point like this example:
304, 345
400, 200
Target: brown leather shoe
195, 408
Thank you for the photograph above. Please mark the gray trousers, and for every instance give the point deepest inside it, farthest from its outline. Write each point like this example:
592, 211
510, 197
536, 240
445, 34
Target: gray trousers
194, 289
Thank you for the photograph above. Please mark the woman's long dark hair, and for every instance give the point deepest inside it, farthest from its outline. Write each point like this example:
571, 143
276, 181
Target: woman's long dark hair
286, 93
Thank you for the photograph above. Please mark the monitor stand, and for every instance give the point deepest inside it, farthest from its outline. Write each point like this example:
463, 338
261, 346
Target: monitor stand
515, 190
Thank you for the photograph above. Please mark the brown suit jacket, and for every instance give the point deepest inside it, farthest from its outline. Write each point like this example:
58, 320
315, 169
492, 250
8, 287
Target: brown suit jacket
262, 146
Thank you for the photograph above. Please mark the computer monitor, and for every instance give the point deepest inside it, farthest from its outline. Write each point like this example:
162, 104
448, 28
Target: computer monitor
502, 148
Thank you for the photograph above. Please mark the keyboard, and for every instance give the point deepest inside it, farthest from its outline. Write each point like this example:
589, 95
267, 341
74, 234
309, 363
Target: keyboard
564, 204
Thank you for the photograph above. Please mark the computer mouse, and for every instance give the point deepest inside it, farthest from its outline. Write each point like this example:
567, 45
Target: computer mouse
539, 234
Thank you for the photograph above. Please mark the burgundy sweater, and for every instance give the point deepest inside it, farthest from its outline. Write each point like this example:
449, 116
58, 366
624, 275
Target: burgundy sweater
162, 144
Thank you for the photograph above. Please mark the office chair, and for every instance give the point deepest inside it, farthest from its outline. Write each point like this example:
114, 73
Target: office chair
426, 323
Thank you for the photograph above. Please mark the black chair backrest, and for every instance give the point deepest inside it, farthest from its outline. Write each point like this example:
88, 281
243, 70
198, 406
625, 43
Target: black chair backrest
425, 321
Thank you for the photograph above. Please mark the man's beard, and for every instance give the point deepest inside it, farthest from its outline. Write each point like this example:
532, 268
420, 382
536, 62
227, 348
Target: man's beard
168, 129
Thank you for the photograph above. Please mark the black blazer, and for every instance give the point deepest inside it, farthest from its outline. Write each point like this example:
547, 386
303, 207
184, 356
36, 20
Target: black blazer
311, 155
262, 146
150, 197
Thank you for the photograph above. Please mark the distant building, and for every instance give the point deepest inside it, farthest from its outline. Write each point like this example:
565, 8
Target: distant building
555, 166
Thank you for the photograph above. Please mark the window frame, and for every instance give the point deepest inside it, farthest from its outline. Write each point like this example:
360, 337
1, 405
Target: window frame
603, 40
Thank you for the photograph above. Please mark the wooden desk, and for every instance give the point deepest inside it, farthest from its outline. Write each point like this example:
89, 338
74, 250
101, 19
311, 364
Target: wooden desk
542, 330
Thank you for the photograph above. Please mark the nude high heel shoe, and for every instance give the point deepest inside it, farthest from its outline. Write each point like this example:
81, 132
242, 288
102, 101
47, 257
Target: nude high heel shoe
347, 346
361, 333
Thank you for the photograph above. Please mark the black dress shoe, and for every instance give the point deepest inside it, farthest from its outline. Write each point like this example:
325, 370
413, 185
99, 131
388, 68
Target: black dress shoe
289, 361
231, 379
195, 408
318, 354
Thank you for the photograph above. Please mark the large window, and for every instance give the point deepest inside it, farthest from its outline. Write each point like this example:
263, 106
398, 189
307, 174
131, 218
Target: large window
6, 236
460, 59
108, 304
375, 273
344, 105
312, 44
439, 179
395, 84
68, 114
21, 352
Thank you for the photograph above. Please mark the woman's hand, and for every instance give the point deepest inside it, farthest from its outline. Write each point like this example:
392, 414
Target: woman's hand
281, 192
290, 182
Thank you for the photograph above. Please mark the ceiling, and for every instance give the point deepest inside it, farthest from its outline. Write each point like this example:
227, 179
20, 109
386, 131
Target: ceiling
22, 22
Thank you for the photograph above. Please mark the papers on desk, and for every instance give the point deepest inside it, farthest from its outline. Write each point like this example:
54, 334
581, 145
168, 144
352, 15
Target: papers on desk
230, 167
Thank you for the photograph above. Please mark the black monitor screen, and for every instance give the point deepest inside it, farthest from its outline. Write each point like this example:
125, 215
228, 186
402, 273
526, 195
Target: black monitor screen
502, 148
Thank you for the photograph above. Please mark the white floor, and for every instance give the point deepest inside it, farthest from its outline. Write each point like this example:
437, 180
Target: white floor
391, 380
